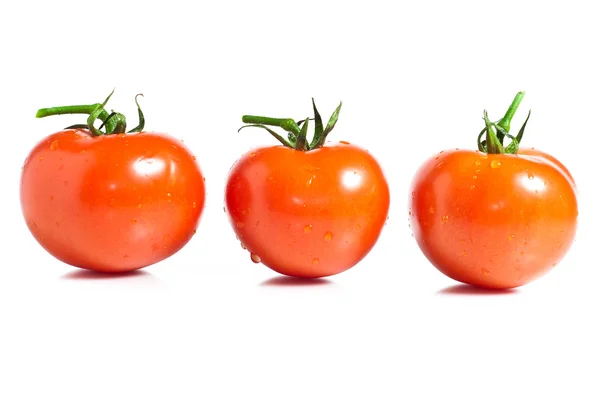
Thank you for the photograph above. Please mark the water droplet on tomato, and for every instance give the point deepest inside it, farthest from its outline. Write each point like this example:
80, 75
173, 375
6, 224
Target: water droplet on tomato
252, 154
437, 157
307, 228
485, 272
495, 164
464, 253
139, 206
315, 261
477, 162
82, 151
41, 158
439, 165
193, 205
240, 224
328, 236
474, 177
243, 247
530, 176
445, 219
431, 210
522, 253
511, 237
133, 221
194, 232
553, 264
255, 258
54, 145
358, 227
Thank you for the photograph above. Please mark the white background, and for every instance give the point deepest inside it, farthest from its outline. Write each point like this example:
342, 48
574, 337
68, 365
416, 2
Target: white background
209, 324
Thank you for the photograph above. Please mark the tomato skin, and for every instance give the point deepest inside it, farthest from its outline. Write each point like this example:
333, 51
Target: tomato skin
307, 214
494, 221
111, 203
548, 158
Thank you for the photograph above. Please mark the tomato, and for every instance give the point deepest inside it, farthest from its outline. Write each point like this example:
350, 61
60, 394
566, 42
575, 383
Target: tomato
111, 203
307, 213
493, 220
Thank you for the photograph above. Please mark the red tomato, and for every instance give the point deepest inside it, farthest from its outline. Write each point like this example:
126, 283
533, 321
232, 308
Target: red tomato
307, 214
493, 220
111, 203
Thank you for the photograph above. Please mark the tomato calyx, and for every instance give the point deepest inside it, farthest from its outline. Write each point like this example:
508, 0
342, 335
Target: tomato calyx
296, 131
113, 122
495, 132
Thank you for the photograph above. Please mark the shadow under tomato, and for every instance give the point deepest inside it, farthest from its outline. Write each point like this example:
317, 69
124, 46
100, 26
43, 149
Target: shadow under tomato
286, 281
83, 274
470, 290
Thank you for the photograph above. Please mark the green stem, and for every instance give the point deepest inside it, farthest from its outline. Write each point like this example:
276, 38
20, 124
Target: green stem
296, 131
113, 123
276, 122
287, 124
79, 109
504, 123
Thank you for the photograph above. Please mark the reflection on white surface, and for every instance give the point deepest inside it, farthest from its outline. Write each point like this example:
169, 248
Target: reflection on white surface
351, 180
533, 184
149, 166
298, 201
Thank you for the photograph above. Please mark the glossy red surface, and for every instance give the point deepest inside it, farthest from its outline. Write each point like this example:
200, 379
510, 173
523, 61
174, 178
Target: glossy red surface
112, 203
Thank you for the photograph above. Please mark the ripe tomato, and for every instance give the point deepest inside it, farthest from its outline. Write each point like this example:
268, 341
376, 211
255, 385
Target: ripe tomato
493, 220
113, 202
307, 213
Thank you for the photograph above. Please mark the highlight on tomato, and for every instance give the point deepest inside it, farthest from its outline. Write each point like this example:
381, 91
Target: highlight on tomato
497, 217
306, 208
108, 199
